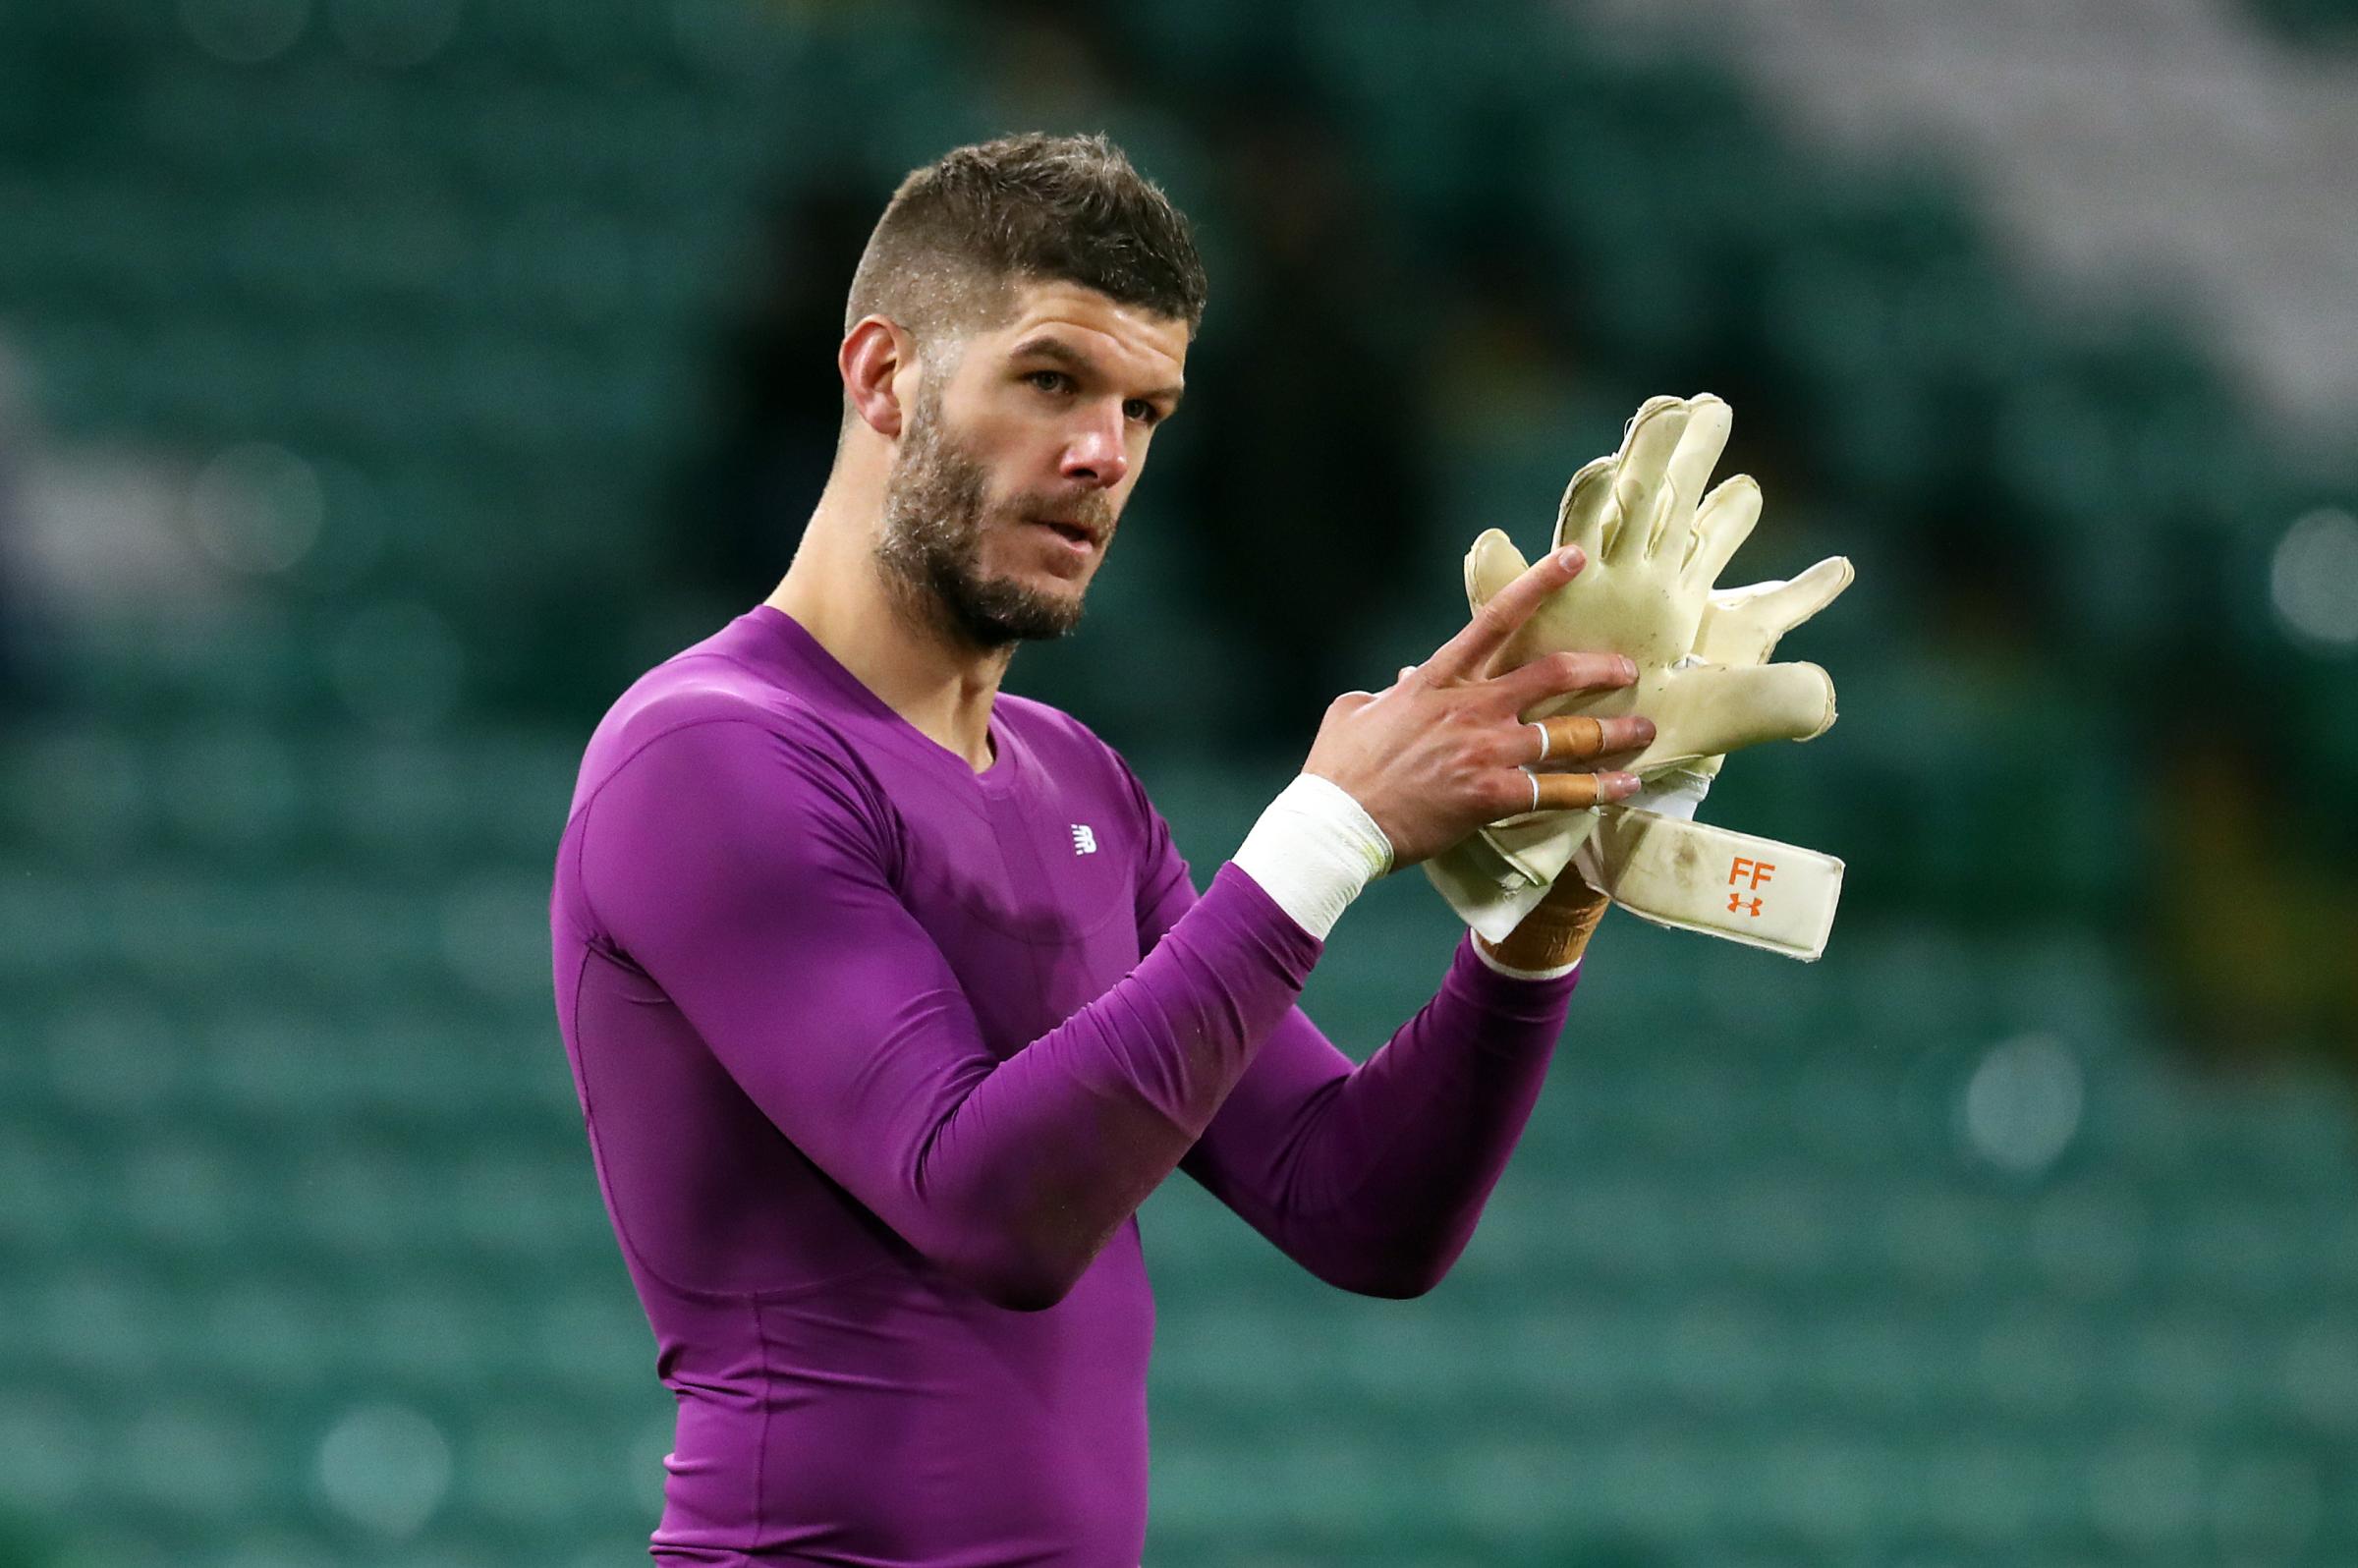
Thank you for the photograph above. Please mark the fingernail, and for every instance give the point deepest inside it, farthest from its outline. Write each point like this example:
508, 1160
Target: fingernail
1626, 785
1646, 731
1570, 558
1629, 668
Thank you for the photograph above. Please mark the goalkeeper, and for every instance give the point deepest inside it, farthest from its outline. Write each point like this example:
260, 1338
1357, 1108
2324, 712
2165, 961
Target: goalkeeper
888, 997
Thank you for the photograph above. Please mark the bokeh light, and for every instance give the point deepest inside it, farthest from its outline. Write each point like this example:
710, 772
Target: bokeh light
385, 1467
2022, 1104
2313, 580
386, 384
256, 508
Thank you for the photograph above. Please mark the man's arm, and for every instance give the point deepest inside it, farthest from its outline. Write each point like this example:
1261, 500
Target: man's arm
744, 871
1373, 1176
741, 866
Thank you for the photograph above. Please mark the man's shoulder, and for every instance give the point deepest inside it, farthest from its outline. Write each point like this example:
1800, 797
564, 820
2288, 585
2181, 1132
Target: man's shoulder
694, 690
698, 688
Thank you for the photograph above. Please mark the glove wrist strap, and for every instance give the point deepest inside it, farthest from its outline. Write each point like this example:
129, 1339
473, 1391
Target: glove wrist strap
1696, 878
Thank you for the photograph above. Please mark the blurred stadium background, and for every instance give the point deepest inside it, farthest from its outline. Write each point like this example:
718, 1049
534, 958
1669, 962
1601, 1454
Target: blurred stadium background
390, 380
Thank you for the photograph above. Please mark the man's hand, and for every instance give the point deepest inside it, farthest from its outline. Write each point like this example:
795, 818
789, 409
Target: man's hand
1442, 751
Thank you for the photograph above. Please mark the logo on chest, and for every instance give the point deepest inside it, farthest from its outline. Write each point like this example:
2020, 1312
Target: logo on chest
1085, 839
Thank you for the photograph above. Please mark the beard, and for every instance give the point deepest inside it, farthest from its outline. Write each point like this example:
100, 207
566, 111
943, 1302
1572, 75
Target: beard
935, 510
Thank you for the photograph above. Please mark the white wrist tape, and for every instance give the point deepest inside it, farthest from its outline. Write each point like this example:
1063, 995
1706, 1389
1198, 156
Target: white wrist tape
1494, 961
1314, 850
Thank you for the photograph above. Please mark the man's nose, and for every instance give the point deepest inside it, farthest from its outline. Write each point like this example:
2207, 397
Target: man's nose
1096, 451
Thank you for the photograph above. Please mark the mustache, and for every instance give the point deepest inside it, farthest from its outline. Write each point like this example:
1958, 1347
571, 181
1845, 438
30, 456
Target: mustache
1090, 511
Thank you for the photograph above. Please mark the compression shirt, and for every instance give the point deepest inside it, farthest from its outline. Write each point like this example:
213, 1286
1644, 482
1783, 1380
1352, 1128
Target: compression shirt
877, 1056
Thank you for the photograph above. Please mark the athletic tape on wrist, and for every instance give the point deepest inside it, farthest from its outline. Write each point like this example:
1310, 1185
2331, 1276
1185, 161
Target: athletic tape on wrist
1314, 850
1492, 961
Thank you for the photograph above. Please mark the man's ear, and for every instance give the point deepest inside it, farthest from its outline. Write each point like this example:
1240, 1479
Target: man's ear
874, 355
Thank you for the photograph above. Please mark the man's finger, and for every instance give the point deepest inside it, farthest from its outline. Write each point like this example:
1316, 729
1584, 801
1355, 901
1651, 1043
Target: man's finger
1569, 740
1466, 656
1560, 675
1573, 792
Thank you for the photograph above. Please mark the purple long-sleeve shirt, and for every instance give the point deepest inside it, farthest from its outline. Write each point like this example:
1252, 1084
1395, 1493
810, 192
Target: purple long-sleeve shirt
879, 1055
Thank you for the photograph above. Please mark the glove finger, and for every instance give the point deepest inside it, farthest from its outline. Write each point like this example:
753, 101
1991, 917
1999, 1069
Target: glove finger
1580, 519
1711, 709
1723, 524
1641, 475
1787, 607
1743, 625
1671, 511
1491, 565
1700, 444
1651, 408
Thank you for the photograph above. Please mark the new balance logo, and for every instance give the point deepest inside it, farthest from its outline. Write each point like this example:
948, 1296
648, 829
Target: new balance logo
1085, 839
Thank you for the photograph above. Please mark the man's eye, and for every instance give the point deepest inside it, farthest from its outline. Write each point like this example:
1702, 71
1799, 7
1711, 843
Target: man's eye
1048, 380
1141, 408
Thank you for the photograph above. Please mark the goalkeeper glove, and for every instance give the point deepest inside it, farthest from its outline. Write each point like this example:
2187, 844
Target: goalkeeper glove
1702, 679
1654, 859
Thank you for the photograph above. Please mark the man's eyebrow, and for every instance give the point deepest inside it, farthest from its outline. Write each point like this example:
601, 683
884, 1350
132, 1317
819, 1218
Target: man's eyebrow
1064, 354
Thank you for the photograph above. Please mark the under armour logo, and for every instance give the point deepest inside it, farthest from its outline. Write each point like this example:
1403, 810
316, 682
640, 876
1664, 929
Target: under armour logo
1758, 870
1085, 839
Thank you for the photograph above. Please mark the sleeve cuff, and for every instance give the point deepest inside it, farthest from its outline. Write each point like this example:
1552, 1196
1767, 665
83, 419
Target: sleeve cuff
1489, 962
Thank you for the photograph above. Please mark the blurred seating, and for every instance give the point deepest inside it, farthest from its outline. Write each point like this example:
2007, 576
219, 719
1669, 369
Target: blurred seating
1935, 1251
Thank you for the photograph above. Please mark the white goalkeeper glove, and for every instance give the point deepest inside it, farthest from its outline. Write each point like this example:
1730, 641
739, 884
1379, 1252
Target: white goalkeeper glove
1702, 679
1651, 858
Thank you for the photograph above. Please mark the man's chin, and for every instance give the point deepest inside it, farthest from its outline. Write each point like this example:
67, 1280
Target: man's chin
1045, 597
1000, 611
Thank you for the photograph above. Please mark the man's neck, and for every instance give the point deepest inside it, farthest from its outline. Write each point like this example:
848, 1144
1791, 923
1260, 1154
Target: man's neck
836, 590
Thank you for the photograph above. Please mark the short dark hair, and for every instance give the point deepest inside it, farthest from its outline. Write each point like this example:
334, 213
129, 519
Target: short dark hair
960, 232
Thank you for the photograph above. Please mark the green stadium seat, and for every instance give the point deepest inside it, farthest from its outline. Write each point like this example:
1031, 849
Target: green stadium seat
46, 1201
284, 1130
71, 791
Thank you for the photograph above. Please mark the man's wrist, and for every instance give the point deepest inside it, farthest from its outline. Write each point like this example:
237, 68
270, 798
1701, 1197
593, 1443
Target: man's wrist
1314, 850
1549, 943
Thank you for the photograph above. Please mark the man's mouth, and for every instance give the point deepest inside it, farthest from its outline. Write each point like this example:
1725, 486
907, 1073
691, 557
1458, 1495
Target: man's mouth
1073, 532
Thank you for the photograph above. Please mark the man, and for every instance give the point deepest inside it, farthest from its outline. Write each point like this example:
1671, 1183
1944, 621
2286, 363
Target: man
887, 998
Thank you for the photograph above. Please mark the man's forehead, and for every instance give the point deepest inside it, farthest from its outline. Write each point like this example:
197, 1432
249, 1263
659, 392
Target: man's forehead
1096, 324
